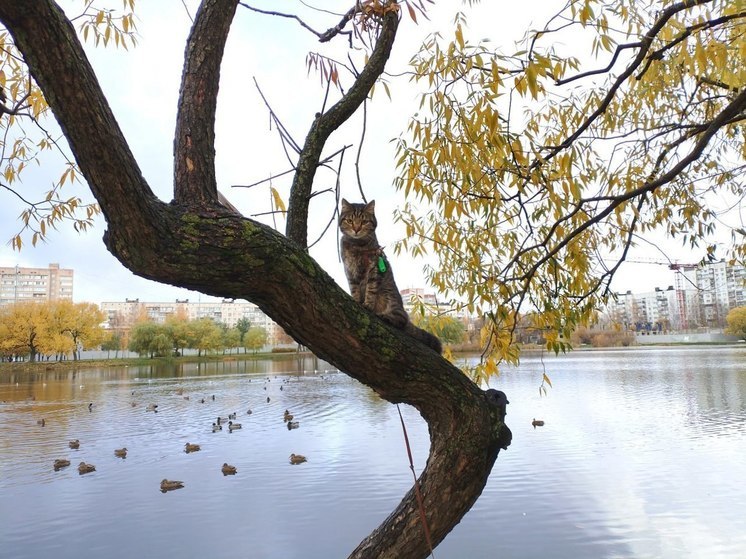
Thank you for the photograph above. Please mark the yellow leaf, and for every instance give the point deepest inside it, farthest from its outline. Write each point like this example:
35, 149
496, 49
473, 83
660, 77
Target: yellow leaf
277, 199
459, 36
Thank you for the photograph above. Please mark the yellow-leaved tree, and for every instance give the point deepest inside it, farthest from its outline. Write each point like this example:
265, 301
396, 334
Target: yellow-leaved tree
50, 329
533, 172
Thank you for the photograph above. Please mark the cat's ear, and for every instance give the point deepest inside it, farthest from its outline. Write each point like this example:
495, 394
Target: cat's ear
370, 206
345, 204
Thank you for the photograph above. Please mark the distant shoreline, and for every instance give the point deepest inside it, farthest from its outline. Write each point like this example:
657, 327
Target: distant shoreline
69, 365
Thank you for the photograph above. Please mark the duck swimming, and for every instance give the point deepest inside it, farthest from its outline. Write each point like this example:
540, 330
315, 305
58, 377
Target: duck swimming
228, 470
537, 422
189, 447
61, 463
216, 427
293, 425
84, 468
74, 444
297, 459
233, 426
120, 452
170, 485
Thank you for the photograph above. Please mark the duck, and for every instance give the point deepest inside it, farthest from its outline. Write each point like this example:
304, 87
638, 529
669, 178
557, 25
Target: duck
268, 399
84, 468
74, 444
152, 407
61, 463
170, 485
232, 415
216, 427
120, 452
228, 470
41, 422
287, 416
233, 426
537, 422
189, 447
293, 425
249, 412
297, 459
222, 420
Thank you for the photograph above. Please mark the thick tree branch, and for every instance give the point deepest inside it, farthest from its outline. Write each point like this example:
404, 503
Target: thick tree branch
328, 122
194, 141
222, 254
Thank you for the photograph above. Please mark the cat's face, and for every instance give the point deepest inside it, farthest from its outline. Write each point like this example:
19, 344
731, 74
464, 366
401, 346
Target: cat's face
357, 221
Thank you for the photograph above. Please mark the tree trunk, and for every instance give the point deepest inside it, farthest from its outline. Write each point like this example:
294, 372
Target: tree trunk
196, 243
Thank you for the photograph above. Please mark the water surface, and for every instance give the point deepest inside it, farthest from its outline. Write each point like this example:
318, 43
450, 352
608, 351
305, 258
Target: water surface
641, 456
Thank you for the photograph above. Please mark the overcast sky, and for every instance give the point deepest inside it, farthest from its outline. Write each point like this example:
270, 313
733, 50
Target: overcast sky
142, 85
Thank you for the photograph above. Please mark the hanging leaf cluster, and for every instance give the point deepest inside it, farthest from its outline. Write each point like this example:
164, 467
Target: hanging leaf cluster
26, 139
530, 174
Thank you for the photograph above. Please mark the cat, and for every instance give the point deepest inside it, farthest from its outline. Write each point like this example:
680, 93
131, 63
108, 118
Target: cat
369, 272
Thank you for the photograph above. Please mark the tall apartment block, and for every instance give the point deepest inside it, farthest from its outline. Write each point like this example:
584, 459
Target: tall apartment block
701, 298
18, 285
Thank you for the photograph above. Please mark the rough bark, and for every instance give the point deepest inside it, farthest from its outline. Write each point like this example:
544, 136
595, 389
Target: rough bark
196, 243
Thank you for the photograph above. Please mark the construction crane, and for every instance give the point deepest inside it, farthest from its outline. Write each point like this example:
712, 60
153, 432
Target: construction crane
679, 281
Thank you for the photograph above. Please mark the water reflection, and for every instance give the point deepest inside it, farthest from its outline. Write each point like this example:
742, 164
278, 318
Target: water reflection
641, 456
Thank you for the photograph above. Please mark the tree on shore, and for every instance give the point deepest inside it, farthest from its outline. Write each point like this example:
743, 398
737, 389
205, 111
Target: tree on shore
736, 320
50, 328
23, 329
255, 339
242, 326
476, 174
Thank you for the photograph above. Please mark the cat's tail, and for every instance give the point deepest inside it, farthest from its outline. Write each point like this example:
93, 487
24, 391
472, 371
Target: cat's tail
424, 336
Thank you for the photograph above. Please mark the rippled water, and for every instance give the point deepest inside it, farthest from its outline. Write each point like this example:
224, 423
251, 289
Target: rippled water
642, 455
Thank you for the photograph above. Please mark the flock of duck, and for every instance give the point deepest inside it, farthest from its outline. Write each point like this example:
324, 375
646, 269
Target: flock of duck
217, 425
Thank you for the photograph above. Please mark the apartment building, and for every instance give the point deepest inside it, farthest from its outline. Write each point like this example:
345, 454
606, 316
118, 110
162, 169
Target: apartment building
19, 284
702, 298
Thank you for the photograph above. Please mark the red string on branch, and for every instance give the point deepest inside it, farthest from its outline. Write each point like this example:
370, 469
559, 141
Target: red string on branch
417, 493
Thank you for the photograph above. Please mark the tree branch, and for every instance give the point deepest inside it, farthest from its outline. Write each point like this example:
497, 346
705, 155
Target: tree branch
194, 141
325, 124
730, 112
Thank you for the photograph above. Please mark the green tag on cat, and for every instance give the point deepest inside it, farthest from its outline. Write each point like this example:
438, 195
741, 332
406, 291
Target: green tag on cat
381, 264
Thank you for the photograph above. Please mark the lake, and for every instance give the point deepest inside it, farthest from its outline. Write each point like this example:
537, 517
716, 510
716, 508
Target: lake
642, 455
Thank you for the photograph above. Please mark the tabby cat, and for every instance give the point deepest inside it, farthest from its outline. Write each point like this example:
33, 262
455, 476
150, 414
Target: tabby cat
369, 273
